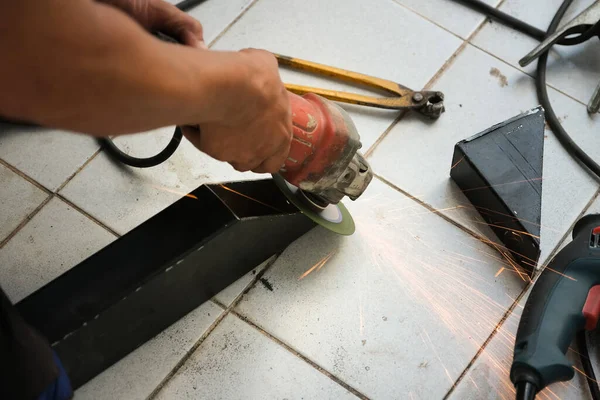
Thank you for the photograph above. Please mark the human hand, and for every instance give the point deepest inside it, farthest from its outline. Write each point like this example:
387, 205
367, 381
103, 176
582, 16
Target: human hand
256, 133
159, 15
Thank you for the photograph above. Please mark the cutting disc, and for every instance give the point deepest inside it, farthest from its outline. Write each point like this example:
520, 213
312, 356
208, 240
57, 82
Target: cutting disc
334, 217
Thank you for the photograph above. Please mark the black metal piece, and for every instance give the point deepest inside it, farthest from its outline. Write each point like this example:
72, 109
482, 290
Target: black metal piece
500, 172
128, 292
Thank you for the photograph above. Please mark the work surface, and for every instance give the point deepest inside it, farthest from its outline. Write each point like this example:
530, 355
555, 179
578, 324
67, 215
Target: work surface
414, 305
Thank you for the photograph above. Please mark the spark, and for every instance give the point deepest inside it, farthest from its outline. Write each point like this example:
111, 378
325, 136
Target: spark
360, 311
499, 272
164, 189
584, 374
439, 210
473, 382
504, 184
561, 274
438, 357
515, 231
317, 266
250, 198
458, 162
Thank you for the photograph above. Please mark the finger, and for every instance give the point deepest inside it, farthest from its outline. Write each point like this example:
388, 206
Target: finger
272, 164
244, 167
170, 20
192, 133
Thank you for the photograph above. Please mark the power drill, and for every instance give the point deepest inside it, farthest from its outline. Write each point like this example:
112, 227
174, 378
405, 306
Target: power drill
564, 301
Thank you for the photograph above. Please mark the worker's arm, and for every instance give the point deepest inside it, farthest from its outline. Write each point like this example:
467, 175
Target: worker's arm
88, 67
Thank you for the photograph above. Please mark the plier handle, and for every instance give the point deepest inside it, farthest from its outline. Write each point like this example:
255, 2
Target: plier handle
428, 103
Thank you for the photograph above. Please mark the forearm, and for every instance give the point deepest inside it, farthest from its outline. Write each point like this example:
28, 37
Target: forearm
87, 67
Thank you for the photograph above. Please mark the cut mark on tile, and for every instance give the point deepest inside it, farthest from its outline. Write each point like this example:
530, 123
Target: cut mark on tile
302, 357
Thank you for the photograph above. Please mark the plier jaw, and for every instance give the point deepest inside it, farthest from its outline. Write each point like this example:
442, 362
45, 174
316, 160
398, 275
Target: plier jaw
585, 26
427, 103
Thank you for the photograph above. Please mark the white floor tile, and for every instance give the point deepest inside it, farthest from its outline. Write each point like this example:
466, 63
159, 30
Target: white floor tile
574, 70
594, 207
404, 302
488, 378
55, 240
238, 362
215, 16
138, 374
18, 198
507, 92
456, 18
326, 32
229, 294
48, 156
123, 197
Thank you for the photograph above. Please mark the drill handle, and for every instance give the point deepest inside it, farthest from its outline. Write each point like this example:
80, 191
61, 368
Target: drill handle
554, 311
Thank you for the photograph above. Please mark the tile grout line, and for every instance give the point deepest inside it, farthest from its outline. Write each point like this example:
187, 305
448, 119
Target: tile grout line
78, 170
86, 214
553, 253
26, 177
447, 64
301, 356
25, 221
437, 212
487, 341
236, 19
210, 329
526, 73
51, 195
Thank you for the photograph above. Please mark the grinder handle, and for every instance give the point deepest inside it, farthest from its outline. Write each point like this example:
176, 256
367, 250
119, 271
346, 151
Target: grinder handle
554, 314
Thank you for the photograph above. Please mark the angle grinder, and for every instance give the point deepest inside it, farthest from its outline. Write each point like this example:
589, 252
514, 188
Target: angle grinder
324, 163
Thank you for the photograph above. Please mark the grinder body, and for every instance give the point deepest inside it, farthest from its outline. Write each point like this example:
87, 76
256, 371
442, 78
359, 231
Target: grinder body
324, 160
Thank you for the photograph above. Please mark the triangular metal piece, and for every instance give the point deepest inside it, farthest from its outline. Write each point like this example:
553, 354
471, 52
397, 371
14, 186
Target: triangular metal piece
500, 172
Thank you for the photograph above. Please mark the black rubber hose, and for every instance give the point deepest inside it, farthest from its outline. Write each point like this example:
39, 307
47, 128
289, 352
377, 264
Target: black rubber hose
579, 154
187, 5
542, 91
493, 13
504, 18
117, 154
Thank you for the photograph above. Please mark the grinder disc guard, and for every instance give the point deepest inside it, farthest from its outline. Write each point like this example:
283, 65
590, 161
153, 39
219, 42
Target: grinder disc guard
334, 217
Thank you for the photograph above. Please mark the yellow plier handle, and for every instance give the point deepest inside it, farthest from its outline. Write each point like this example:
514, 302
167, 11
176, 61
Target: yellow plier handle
428, 103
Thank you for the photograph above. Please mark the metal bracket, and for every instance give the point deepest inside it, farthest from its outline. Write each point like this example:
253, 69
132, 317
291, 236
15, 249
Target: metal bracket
128, 292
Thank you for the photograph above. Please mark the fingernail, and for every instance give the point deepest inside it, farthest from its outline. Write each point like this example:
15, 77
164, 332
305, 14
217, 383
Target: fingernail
201, 45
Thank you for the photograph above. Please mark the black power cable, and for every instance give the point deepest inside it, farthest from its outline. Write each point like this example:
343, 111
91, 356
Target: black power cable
114, 152
584, 33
